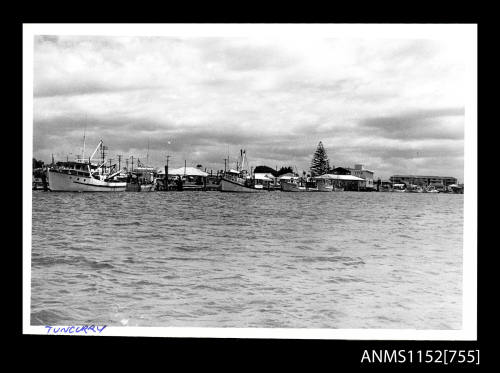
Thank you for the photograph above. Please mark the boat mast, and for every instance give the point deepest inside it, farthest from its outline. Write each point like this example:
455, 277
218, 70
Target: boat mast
244, 161
95, 151
90, 159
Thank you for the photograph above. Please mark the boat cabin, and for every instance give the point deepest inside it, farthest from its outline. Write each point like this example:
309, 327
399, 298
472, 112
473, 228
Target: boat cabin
82, 169
75, 168
399, 187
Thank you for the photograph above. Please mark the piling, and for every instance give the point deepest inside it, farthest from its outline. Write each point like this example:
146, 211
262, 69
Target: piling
166, 177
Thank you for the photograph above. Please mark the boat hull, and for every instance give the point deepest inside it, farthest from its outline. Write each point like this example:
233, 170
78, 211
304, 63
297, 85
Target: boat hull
292, 187
133, 187
232, 186
147, 187
325, 188
62, 182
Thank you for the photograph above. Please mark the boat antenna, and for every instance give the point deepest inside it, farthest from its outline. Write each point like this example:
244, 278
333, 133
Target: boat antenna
84, 133
244, 160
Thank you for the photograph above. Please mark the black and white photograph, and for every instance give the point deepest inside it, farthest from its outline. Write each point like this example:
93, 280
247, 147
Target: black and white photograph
250, 180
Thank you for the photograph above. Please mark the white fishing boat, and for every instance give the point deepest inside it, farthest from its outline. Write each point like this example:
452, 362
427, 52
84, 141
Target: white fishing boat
240, 181
239, 185
84, 176
291, 186
399, 188
324, 183
324, 186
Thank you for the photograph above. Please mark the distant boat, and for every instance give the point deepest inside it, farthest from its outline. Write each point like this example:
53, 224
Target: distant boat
431, 189
334, 182
39, 181
139, 180
291, 186
324, 185
240, 184
456, 188
399, 188
299, 185
414, 189
135, 187
83, 176
239, 180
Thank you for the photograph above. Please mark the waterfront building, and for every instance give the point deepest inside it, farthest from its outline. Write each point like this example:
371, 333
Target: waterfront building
183, 178
421, 180
364, 174
341, 171
267, 180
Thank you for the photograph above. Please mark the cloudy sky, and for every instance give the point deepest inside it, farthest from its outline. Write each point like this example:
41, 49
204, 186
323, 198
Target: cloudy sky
395, 106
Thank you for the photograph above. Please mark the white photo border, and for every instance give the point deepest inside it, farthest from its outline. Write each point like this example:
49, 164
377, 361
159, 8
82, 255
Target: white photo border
465, 33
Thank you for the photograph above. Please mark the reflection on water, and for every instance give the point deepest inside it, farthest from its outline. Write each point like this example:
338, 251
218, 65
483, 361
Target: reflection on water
210, 259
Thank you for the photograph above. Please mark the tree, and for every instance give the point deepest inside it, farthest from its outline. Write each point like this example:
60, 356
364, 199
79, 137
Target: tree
264, 170
37, 163
320, 164
284, 170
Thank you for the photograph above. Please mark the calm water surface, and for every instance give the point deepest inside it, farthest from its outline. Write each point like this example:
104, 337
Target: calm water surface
211, 259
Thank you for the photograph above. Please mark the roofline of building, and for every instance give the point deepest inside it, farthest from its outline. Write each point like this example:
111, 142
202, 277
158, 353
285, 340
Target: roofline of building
364, 169
426, 177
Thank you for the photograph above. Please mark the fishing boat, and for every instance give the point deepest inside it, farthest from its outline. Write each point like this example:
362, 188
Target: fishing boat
456, 188
39, 179
137, 187
324, 185
84, 176
141, 179
292, 186
240, 180
385, 186
431, 189
399, 188
335, 183
411, 188
299, 185
240, 184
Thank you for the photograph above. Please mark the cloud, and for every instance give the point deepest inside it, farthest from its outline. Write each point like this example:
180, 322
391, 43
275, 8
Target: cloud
383, 103
446, 123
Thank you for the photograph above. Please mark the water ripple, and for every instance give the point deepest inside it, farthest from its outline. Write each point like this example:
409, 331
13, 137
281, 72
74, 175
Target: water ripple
313, 260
